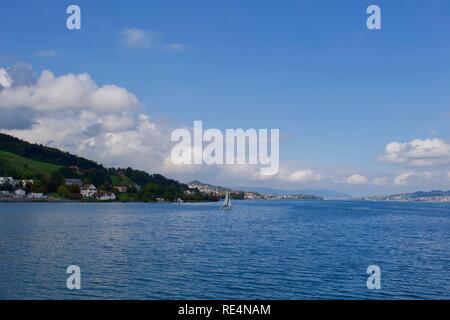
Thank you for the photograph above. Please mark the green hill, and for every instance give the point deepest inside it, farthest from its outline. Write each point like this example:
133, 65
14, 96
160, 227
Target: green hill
20, 167
49, 167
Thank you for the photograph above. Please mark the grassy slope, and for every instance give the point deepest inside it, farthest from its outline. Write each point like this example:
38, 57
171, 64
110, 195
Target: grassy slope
21, 164
120, 181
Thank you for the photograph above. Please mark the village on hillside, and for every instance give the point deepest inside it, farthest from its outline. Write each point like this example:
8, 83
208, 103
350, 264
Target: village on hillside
14, 189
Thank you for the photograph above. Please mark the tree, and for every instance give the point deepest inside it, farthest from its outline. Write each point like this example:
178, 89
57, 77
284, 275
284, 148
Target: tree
27, 175
63, 191
69, 192
38, 187
69, 173
74, 189
56, 179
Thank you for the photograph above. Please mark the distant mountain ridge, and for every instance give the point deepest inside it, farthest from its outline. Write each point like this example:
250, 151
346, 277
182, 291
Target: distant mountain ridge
431, 193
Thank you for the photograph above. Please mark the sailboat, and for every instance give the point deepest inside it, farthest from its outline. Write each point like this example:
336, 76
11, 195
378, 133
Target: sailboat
227, 202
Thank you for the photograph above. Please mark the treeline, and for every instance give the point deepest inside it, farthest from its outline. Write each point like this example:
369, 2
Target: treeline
142, 178
140, 185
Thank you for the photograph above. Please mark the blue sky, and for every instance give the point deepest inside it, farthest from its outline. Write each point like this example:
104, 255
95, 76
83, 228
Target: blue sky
338, 92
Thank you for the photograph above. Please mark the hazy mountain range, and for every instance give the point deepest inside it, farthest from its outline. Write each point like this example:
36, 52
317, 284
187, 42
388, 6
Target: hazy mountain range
422, 196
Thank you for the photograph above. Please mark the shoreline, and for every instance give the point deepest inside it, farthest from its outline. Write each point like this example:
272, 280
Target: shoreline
185, 202
89, 201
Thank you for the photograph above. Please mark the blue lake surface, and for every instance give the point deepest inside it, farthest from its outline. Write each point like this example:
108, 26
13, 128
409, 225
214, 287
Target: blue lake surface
258, 250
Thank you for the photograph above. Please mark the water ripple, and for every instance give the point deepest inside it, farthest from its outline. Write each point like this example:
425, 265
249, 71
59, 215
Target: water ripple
259, 250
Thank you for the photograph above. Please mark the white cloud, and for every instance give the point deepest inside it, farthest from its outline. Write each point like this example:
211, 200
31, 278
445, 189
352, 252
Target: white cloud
418, 152
418, 178
304, 176
5, 79
74, 92
403, 178
139, 38
117, 123
357, 179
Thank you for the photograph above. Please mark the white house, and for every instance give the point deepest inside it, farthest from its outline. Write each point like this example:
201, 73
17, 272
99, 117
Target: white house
107, 196
24, 182
5, 180
9, 180
14, 182
20, 193
121, 189
88, 191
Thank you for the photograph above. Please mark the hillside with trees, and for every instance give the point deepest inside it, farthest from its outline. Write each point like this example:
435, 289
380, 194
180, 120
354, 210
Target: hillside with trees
49, 169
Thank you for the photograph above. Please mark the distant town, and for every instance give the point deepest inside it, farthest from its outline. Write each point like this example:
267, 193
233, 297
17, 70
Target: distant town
419, 196
247, 195
12, 189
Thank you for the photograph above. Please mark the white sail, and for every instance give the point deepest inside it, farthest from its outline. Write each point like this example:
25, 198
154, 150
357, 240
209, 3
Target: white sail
227, 201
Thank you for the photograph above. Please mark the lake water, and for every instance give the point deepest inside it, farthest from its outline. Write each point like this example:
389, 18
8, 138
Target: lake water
259, 250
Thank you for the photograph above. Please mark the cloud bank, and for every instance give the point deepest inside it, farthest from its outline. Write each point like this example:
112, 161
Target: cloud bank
418, 152
67, 92
357, 179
